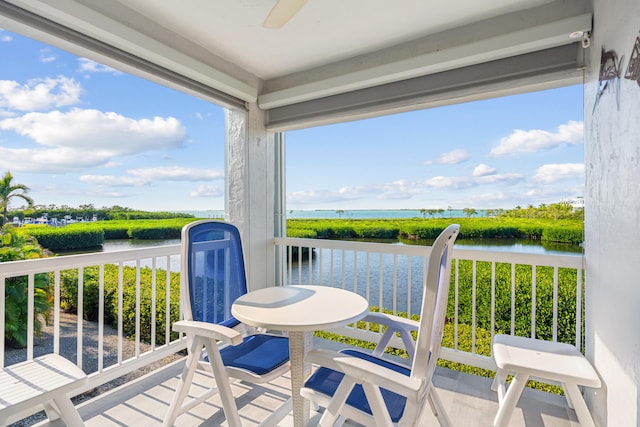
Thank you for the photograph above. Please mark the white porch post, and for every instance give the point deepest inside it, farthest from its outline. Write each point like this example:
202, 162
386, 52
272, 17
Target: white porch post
250, 190
612, 229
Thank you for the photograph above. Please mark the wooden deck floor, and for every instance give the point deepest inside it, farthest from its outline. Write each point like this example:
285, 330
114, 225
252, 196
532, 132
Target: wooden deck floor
468, 399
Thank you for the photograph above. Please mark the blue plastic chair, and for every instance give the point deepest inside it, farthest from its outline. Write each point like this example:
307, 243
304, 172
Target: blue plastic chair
375, 391
212, 278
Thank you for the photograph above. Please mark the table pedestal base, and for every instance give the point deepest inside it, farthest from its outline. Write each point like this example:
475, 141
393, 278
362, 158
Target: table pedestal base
299, 344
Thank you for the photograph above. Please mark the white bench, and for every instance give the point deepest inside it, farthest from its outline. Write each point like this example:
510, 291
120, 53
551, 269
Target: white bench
43, 383
546, 360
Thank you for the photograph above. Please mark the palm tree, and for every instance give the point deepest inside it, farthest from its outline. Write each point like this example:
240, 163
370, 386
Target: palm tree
9, 190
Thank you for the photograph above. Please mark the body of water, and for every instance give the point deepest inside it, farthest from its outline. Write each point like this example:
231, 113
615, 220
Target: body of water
507, 245
379, 289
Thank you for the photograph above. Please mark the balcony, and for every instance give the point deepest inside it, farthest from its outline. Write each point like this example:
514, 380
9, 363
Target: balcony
389, 276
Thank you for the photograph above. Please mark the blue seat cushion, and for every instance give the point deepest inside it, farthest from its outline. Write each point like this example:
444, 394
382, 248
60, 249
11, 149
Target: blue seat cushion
260, 353
326, 381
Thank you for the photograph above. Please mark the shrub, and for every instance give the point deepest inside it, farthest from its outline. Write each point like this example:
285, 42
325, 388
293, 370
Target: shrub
153, 231
563, 231
375, 231
66, 238
82, 235
302, 233
566, 234
115, 229
14, 247
523, 301
91, 295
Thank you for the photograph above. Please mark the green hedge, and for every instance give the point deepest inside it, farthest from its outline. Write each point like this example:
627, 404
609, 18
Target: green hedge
91, 294
155, 231
302, 233
571, 234
83, 235
61, 238
544, 293
549, 230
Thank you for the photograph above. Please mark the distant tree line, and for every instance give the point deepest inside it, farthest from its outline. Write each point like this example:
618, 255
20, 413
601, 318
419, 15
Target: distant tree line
562, 210
87, 211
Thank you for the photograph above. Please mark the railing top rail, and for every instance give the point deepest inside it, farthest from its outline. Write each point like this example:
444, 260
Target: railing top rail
565, 261
355, 246
23, 267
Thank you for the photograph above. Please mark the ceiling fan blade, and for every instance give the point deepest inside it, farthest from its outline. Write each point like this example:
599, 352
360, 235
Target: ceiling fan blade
282, 12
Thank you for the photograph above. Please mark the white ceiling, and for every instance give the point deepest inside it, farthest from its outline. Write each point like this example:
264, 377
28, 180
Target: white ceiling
330, 47
324, 31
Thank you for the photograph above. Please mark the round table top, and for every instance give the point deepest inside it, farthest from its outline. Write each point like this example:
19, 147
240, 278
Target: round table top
300, 308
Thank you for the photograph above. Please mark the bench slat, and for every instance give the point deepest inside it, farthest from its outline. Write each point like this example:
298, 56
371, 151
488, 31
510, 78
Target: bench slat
36, 382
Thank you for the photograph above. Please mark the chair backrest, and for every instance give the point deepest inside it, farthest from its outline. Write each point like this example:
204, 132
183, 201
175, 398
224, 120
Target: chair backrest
434, 305
213, 271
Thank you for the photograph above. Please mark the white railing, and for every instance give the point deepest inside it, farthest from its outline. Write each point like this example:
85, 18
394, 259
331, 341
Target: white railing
390, 276
128, 266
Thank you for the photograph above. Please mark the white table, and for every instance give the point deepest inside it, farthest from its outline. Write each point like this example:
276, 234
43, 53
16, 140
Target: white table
299, 310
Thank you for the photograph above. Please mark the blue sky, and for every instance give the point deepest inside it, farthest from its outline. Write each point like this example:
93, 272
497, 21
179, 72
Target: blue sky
77, 132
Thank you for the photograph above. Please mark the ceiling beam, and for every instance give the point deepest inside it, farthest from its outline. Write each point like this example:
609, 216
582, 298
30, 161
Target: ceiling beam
477, 51
555, 67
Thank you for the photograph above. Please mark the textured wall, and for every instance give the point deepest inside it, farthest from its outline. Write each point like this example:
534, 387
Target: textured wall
249, 196
612, 208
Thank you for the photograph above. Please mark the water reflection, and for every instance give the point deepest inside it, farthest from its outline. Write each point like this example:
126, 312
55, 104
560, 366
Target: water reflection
502, 245
124, 244
394, 282
526, 246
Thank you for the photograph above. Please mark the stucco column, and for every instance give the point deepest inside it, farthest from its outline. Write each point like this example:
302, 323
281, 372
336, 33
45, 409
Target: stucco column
249, 196
612, 203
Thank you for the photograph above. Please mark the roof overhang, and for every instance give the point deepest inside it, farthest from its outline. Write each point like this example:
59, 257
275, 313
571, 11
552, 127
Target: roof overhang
528, 48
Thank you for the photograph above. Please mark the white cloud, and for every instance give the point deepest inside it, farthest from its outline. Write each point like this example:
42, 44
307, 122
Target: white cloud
488, 198
395, 196
108, 134
551, 173
5, 37
113, 181
176, 173
82, 139
47, 55
207, 191
39, 94
482, 170
552, 192
147, 176
63, 160
401, 189
88, 66
506, 178
310, 196
451, 158
535, 140
351, 192
452, 182
462, 182
109, 194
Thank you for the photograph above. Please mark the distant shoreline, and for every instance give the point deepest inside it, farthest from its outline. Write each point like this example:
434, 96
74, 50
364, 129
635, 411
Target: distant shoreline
354, 213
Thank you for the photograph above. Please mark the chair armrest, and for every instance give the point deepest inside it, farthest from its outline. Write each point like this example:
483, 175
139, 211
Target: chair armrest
364, 371
392, 321
209, 330
394, 324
